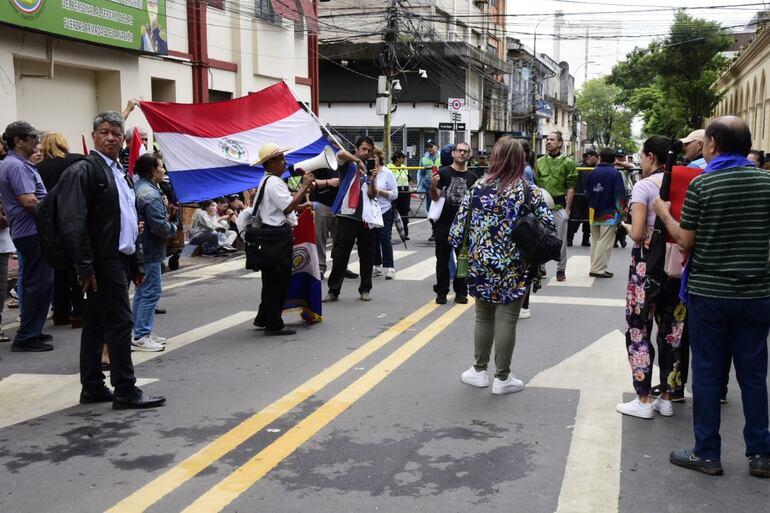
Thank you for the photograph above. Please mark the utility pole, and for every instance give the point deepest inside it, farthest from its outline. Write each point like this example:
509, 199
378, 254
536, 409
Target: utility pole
389, 58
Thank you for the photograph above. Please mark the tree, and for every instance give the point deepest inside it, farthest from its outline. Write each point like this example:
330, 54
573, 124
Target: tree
669, 82
607, 119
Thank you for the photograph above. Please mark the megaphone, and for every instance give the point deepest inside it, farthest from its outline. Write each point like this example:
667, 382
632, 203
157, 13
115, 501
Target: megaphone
326, 159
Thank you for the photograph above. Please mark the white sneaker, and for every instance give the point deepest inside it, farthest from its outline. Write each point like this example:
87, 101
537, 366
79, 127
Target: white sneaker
146, 344
159, 340
390, 273
636, 408
509, 386
663, 407
524, 313
377, 270
475, 378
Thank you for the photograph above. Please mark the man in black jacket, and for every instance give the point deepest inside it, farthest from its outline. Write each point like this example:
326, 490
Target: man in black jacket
96, 209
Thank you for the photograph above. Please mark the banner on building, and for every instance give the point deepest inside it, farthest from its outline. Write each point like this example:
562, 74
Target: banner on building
132, 24
208, 148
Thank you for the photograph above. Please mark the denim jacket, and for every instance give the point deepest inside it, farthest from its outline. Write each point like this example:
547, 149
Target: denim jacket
157, 228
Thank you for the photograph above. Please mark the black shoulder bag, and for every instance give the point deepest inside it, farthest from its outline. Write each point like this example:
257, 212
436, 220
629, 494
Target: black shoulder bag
267, 247
534, 240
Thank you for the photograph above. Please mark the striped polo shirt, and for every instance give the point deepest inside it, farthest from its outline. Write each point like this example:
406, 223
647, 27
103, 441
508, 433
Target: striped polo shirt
730, 212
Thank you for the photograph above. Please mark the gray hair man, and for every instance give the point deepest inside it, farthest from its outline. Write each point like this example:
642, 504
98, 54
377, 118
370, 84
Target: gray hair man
96, 209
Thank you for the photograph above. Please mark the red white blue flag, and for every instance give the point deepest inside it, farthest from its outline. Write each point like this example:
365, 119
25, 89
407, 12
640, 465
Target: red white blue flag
305, 285
208, 148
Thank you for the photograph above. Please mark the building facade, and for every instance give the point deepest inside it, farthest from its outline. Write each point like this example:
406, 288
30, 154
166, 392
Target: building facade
745, 89
63, 63
445, 49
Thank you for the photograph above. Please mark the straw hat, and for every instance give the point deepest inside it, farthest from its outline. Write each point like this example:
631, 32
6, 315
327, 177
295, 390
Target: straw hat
269, 151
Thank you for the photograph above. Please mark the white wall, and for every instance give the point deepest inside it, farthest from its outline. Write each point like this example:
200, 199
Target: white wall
424, 115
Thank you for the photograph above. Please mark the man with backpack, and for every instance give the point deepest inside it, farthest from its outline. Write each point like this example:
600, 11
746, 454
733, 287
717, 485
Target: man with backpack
96, 221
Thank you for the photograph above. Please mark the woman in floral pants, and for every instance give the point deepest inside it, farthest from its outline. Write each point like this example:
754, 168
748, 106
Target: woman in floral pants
667, 311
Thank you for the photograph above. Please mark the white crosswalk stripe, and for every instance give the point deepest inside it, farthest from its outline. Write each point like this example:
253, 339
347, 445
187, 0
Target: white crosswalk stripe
578, 267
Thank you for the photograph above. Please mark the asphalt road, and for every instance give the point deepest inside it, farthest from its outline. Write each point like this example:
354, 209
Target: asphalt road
362, 412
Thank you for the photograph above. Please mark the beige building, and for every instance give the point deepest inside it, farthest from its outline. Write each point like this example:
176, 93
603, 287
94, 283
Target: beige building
58, 70
745, 87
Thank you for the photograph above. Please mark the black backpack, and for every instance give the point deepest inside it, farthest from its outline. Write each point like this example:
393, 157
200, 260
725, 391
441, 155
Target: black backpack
534, 240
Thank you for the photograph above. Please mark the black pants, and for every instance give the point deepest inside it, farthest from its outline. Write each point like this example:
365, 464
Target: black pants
275, 288
38, 283
351, 231
578, 218
403, 206
68, 300
107, 320
443, 254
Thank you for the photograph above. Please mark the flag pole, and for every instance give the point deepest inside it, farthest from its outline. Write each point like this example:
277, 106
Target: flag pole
310, 111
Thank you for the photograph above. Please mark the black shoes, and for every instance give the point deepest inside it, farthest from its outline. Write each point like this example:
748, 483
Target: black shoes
441, 299
136, 401
159, 310
98, 396
677, 396
687, 459
462, 300
759, 465
278, 333
350, 274
605, 274
34, 346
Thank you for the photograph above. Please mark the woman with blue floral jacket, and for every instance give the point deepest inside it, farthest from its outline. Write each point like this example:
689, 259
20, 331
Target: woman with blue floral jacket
498, 275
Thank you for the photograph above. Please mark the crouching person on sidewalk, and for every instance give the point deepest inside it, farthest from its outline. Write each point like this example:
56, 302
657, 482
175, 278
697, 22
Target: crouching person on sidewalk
98, 225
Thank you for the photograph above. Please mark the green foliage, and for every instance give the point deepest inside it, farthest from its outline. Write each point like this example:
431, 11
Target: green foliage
669, 82
607, 119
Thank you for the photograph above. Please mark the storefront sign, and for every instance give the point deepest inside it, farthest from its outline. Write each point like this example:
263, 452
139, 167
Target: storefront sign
133, 24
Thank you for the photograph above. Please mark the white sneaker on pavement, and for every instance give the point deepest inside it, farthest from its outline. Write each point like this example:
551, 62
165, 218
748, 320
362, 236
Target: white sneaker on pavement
663, 407
377, 270
509, 386
146, 344
524, 313
159, 340
636, 408
390, 273
475, 378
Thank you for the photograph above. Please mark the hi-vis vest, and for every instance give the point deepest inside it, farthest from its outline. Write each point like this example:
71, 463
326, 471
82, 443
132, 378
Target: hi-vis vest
401, 174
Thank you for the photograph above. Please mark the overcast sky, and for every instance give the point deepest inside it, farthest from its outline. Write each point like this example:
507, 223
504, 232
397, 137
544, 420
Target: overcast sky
615, 26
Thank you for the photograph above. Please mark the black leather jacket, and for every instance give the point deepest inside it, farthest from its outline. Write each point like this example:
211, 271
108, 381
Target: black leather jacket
88, 213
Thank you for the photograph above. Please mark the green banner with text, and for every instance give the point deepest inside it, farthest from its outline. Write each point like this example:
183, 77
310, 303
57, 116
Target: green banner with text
134, 24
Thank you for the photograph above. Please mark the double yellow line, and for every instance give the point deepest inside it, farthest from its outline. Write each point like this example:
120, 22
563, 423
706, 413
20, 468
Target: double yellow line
231, 487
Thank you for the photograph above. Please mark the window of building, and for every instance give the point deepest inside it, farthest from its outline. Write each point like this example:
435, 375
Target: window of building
263, 9
219, 96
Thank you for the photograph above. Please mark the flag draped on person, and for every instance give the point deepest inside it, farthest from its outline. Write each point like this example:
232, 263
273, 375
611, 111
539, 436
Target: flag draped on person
208, 148
305, 285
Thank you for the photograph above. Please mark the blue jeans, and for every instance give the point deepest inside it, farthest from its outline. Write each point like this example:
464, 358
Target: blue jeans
38, 288
719, 327
146, 298
383, 249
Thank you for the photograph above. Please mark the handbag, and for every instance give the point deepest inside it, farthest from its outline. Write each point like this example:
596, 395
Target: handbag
267, 247
463, 263
534, 240
435, 209
370, 210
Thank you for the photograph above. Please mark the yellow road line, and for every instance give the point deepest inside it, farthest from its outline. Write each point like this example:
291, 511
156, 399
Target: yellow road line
173, 478
231, 487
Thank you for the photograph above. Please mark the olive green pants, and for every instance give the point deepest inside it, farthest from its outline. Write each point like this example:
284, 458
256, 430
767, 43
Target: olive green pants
496, 324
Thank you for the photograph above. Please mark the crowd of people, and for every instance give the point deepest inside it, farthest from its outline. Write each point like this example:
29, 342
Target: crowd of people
712, 305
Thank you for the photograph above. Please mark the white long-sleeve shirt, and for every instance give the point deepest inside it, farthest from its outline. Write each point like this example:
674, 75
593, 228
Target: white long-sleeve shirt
386, 181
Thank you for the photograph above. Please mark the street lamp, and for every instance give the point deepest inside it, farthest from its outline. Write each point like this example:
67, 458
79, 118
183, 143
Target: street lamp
585, 71
533, 84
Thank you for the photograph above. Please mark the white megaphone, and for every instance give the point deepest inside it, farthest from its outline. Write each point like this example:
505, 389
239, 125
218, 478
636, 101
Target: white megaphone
326, 159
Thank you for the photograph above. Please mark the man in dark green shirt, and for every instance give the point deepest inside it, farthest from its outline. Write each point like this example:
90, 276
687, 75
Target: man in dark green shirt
726, 225
557, 174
